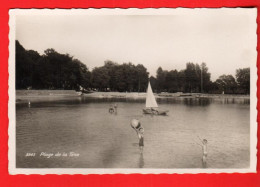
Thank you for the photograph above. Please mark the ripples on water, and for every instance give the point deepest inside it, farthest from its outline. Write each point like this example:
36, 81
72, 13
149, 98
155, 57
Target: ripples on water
103, 140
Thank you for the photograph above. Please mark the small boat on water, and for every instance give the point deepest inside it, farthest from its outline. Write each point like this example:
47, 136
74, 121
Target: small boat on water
83, 92
151, 104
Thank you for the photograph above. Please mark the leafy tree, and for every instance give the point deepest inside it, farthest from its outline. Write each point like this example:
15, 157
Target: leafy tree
24, 67
124, 77
130, 76
153, 82
120, 78
161, 76
243, 80
142, 78
111, 68
206, 83
100, 78
181, 79
197, 78
171, 81
227, 83
52, 70
192, 78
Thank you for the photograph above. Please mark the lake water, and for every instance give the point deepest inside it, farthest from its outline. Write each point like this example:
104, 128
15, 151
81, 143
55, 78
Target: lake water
98, 139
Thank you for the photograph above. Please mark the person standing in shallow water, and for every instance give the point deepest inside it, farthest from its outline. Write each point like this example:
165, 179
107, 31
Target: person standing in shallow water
204, 146
115, 107
141, 139
205, 152
136, 125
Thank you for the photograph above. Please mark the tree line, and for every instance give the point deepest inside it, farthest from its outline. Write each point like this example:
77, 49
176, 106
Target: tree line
53, 70
195, 78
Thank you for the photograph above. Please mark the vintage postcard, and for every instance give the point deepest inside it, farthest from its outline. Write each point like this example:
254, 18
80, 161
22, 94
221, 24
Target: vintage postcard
104, 91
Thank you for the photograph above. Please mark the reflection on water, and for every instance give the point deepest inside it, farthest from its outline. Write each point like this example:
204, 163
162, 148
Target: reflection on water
204, 164
192, 101
105, 139
141, 161
196, 102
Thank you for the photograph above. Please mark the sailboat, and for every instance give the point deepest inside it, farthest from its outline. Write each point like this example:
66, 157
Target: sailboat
151, 104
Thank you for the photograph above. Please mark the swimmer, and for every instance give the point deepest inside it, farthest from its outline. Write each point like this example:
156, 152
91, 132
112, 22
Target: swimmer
111, 109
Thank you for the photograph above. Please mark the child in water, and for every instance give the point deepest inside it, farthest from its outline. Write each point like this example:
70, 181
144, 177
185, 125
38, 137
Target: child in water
111, 109
141, 139
136, 125
204, 151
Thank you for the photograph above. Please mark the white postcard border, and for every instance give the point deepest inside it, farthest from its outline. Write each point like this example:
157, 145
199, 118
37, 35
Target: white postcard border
149, 11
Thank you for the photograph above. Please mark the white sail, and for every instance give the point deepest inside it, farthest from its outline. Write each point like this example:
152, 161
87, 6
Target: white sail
150, 99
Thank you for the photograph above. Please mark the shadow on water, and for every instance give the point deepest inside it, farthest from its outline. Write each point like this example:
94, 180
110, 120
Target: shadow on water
235, 101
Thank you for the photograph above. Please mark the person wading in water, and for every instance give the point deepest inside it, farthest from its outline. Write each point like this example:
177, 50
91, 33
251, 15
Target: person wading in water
136, 125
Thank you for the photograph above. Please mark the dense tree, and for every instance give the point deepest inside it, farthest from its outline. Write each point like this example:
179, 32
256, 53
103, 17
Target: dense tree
131, 78
142, 79
192, 78
111, 68
171, 81
100, 78
181, 81
205, 78
161, 76
226, 84
197, 78
153, 82
24, 67
243, 80
124, 77
53, 70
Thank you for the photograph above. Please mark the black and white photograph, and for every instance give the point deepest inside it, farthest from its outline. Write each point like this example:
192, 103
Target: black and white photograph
99, 91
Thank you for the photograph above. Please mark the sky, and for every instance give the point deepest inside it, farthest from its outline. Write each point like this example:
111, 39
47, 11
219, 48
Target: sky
225, 39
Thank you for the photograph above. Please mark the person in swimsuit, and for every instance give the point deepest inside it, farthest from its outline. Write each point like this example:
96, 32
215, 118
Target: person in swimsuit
136, 125
205, 152
111, 109
204, 145
141, 139
115, 107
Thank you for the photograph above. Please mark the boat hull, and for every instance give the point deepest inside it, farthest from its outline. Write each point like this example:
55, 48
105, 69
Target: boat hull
155, 111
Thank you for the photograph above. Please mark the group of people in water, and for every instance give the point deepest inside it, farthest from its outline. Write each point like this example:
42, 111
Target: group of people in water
136, 125
112, 109
139, 129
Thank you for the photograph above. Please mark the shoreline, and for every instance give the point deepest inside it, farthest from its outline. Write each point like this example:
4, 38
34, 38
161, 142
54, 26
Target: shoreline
72, 93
